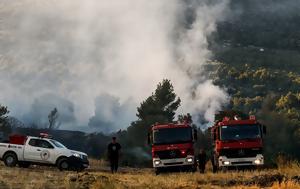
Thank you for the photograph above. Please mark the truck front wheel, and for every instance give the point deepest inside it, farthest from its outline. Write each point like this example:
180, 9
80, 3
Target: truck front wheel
214, 162
10, 159
157, 171
63, 164
193, 168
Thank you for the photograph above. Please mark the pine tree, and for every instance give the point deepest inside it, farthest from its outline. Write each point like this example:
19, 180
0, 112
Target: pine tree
160, 107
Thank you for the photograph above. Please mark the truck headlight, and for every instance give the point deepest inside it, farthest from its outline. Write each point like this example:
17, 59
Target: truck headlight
157, 162
257, 161
189, 160
76, 155
226, 162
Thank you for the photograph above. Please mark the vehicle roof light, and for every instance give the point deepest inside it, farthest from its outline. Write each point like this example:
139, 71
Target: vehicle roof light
226, 118
45, 135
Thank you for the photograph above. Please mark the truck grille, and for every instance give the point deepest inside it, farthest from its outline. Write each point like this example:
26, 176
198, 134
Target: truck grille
240, 153
168, 154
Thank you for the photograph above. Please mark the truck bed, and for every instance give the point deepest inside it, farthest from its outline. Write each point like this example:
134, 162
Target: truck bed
17, 148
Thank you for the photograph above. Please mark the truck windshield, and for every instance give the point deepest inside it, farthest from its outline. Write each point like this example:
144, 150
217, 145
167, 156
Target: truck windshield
238, 132
172, 135
57, 144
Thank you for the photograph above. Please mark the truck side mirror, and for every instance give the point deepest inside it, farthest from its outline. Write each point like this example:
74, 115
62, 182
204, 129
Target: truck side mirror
149, 139
264, 129
195, 135
215, 136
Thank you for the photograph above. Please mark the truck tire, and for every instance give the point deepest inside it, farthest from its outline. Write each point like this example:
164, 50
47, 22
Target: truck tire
224, 169
10, 159
193, 168
63, 164
24, 164
214, 164
157, 171
215, 168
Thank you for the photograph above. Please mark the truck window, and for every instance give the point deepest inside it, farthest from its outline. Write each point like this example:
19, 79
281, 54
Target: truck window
172, 135
239, 132
57, 144
32, 142
40, 143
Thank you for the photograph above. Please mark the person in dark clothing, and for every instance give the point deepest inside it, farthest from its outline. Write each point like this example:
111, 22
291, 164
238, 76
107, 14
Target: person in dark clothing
113, 150
202, 160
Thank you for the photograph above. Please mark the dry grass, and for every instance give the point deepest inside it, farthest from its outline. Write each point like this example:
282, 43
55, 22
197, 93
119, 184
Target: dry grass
99, 177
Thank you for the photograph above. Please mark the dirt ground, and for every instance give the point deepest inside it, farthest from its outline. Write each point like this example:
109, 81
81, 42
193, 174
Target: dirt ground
98, 176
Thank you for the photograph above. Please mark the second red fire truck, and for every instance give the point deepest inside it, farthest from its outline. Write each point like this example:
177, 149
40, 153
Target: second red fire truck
237, 142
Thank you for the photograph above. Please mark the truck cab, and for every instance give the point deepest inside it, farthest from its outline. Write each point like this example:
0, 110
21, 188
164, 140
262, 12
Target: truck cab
237, 142
27, 150
172, 146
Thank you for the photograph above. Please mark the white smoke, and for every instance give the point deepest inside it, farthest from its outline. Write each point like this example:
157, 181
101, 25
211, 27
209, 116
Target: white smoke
110, 115
81, 50
39, 111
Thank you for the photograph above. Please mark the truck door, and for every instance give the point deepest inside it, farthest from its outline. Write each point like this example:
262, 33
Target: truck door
38, 150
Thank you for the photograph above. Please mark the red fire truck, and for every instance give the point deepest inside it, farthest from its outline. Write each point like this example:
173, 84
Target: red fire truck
237, 142
172, 146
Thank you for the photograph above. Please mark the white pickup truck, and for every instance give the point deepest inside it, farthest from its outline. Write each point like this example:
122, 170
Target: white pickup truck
39, 150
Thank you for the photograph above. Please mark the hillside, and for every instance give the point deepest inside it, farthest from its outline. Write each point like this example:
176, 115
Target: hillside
257, 60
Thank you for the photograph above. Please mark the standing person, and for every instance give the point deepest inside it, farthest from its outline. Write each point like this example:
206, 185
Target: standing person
113, 150
202, 160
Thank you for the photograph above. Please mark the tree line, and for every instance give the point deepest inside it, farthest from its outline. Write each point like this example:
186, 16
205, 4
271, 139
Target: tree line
279, 114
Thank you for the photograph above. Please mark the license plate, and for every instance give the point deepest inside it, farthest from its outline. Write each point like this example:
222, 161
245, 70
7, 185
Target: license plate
174, 160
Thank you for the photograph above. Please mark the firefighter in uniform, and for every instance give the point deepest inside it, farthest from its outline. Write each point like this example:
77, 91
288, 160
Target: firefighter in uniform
113, 150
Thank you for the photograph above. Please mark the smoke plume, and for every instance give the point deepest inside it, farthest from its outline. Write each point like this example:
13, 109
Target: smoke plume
104, 57
110, 115
42, 106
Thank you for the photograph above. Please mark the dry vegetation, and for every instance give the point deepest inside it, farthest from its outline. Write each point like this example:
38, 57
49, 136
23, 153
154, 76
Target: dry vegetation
99, 177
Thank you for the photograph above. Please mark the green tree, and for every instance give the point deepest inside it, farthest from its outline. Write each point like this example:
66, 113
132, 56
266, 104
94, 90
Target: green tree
3, 115
5, 126
160, 107
53, 119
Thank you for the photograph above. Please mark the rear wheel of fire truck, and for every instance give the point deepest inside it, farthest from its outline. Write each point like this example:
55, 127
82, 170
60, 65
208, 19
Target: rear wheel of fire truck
214, 164
193, 168
10, 159
215, 168
24, 164
63, 164
224, 169
157, 171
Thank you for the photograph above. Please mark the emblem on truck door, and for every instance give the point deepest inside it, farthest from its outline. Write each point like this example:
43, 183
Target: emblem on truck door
45, 154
